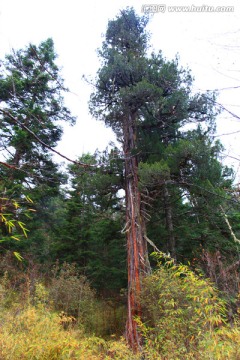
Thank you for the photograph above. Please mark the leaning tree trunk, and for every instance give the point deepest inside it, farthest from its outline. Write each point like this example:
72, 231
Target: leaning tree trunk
137, 256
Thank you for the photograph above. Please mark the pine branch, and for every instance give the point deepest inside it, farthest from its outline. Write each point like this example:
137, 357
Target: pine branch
9, 166
6, 113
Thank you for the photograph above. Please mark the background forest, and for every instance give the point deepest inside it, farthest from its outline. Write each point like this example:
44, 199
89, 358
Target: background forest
65, 281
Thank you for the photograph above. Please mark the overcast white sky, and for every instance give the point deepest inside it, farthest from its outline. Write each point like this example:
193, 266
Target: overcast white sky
207, 42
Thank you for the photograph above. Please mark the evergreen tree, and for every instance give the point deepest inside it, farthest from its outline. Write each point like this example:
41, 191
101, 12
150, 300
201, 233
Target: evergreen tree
146, 100
119, 95
31, 92
186, 188
90, 234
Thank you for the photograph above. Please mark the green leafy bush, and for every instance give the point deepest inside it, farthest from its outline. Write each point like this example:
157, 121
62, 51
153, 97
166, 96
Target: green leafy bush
180, 308
223, 344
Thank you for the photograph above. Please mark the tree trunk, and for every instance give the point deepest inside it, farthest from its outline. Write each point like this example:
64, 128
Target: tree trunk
137, 256
171, 245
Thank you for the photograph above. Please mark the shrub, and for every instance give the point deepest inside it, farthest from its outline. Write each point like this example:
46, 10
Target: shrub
180, 308
9, 296
223, 344
119, 350
70, 292
37, 334
104, 318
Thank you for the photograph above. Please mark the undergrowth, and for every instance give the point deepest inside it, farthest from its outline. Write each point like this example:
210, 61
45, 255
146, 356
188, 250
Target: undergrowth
184, 318
34, 333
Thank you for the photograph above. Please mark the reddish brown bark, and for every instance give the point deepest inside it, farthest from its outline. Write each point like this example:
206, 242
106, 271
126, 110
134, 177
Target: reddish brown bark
137, 257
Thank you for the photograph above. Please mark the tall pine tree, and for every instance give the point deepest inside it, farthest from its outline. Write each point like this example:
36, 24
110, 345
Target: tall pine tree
145, 99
